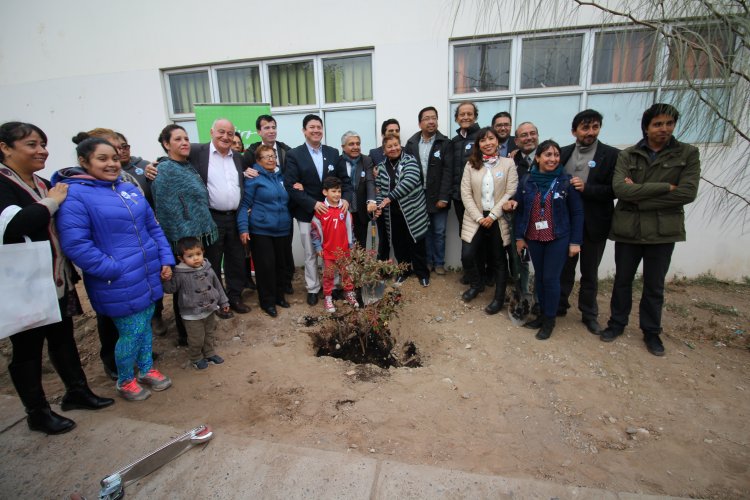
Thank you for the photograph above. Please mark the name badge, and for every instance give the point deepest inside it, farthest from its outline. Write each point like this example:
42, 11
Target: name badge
330, 168
139, 171
499, 175
362, 174
437, 154
468, 146
556, 196
542, 224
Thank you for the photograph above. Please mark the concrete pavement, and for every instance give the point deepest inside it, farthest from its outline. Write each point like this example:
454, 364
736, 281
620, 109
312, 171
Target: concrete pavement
229, 466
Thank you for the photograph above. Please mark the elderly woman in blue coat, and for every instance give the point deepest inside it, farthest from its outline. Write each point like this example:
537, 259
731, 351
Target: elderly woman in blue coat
263, 221
550, 224
108, 230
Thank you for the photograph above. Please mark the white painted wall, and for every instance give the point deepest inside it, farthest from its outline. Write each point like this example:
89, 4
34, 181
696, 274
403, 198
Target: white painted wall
71, 66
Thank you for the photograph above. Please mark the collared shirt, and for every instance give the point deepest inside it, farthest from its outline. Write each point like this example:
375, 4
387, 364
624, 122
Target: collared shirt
424, 155
223, 181
502, 150
317, 157
488, 188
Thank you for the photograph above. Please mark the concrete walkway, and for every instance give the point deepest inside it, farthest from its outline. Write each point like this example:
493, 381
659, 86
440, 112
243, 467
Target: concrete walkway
38, 466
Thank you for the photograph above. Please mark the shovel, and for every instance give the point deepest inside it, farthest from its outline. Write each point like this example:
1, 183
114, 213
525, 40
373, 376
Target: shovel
519, 305
373, 292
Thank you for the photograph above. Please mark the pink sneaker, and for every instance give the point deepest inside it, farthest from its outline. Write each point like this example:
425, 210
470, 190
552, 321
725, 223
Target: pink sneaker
328, 304
131, 391
156, 380
351, 298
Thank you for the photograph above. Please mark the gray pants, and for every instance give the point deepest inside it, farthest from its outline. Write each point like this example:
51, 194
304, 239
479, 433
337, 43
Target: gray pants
312, 280
200, 337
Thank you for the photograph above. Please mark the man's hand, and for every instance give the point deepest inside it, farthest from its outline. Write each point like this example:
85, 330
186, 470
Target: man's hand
510, 205
513, 153
151, 171
578, 184
520, 245
441, 204
628, 180
298, 186
372, 206
244, 238
574, 250
250, 173
320, 208
344, 205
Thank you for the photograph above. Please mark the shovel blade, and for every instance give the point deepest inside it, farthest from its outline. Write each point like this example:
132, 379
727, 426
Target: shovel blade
373, 292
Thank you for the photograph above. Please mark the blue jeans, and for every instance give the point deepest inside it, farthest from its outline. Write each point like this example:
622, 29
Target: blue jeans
549, 258
435, 238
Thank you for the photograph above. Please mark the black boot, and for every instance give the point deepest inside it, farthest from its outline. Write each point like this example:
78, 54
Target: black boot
535, 323
472, 293
494, 307
77, 396
548, 324
27, 378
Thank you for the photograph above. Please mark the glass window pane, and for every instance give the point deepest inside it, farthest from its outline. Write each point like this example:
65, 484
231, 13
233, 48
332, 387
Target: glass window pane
624, 56
697, 123
551, 61
292, 84
188, 89
546, 113
706, 52
348, 79
481, 67
239, 84
289, 128
361, 121
622, 115
487, 110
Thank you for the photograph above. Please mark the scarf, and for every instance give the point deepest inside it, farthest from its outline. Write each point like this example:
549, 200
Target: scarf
354, 162
544, 180
489, 161
181, 201
62, 271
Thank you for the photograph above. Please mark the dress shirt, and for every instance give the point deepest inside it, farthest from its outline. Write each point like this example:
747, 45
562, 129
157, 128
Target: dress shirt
317, 157
424, 155
223, 181
488, 188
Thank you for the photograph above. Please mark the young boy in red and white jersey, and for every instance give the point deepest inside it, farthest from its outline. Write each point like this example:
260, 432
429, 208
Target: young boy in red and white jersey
331, 234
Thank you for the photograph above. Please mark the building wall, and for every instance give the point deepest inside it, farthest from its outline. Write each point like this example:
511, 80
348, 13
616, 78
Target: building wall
74, 66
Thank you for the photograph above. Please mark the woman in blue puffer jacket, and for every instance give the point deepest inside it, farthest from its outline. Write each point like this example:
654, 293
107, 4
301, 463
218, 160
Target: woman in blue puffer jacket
108, 230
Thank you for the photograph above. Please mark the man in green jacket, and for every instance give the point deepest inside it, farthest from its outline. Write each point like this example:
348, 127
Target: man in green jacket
653, 181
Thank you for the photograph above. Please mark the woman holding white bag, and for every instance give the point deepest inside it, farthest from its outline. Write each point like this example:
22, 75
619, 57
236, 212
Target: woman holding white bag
28, 204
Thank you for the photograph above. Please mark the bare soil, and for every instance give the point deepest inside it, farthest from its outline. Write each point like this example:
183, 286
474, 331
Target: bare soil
489, 397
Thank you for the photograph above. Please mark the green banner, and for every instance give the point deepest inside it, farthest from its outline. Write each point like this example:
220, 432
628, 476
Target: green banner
243, 117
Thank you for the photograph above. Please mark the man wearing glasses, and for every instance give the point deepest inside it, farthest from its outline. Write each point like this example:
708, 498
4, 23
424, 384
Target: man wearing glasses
502, 123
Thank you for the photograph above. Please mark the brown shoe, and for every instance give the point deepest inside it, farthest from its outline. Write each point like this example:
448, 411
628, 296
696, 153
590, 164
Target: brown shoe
440, 271
239, 307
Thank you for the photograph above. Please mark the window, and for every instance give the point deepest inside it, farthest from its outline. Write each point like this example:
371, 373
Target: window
348, 79
292, 84
481, 67
551, 61
700, 53
188, 89
624, 56
239, 84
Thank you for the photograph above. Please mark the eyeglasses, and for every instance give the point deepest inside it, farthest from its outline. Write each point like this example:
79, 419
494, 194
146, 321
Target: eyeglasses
268, 157
124, 147
429, 118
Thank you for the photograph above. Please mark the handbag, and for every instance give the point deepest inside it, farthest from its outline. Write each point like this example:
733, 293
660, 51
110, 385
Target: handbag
27, 287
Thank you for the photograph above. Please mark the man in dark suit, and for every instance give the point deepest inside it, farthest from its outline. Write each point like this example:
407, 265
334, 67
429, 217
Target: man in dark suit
221, 170
359, 169
502, 123
592, 165
307, 165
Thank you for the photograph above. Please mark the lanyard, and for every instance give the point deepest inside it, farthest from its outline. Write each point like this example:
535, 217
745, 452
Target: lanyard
544, 198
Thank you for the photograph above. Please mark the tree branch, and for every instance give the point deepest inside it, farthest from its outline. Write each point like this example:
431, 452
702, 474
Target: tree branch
727, 191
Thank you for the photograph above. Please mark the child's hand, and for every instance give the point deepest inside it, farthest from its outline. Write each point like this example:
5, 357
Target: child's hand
225, 309
166, 273
320, 254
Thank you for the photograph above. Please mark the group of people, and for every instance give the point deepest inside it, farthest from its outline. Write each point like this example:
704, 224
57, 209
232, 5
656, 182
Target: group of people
217, 204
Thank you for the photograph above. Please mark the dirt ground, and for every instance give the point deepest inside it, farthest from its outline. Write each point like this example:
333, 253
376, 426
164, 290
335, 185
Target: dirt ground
490, 398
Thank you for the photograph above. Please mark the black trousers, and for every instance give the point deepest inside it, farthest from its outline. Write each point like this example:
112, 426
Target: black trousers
489, 243
384, 246
656, 260
590, 258
359, 228
269, 256
405, 248
228, 248
459, 206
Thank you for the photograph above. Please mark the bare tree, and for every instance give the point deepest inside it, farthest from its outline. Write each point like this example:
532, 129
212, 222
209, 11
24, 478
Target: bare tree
699, 51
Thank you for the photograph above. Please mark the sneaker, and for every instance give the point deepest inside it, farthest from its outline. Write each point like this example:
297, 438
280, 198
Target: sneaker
609, 334
351, 298
201, 364
654, 345
156, 380
328, 304
131, 391
425, 282
440, 271
400, 280
215, 359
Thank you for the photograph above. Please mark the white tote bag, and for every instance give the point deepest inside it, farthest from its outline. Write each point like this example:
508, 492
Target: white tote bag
28, 296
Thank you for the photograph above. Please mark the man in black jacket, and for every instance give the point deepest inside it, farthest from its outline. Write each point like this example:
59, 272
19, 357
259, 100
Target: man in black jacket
592, 165
502, 123
266, 127
308, 165
427, 147
457, 154
388, 127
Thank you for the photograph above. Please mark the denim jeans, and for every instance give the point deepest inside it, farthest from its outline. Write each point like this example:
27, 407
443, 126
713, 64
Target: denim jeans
548, 258
435, 238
